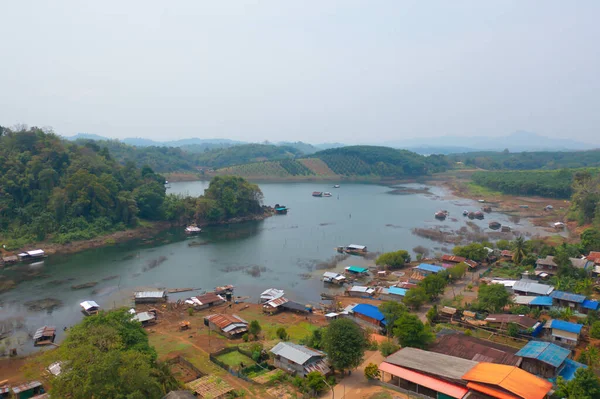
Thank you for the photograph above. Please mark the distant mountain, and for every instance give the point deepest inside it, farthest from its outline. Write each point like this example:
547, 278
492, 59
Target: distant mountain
86, 136
326, 146
142, 142
304, 148
428, 150
517, 141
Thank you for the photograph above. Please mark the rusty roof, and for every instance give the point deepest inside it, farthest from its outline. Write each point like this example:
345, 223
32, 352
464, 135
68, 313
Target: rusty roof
521, 320
453, 258
510, 378
476, 349
209, 297
507, 253
276, 302
224, 320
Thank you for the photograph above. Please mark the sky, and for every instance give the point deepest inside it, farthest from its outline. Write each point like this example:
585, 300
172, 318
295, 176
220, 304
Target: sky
316, 71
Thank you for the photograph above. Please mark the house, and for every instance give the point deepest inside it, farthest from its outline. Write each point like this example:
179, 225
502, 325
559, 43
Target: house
89, 307
427, 269
489, 380
530, 287
542, 302
31, 255
581, 263
502, 320
478, 350
472, 264
548, 360
44, 336
436, 365
453, 259
361, 291
546, 265
270, 294
507, 255
524, 300
567, 299
27, 390
229, 325
356, 270
392, 294
274, 306
299, 360
146, 318
368, 314
210, 387
563, 331
588, 305
594, 256
150, 296
333, 278
297, 307
207, 300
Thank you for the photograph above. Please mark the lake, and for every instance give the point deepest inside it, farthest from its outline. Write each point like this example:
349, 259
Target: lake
282, 251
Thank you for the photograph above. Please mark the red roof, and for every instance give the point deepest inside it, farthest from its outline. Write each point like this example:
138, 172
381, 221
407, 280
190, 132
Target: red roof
444, 387
594, 256
471, 263
453, 258
506, 253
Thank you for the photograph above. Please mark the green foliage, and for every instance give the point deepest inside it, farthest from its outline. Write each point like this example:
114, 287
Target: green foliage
590, 356
392, 311
590, 240
518, 248
458, 271
282, 334
372, 371
595, 330
108, 355
492, 297
246, 337
432, 314
474, 251
344, 343
522, 309
502, 244
586, 196
552, 184
415, 297
242, 154
388, 347
231, 197
585, 385
315, 381
316, 339
433, 285
512, 329
394, 260
295, 168
254, 328
412, 332
547, 160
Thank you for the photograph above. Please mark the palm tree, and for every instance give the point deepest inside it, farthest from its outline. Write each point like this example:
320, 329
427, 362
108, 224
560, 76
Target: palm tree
584, 287
518, 250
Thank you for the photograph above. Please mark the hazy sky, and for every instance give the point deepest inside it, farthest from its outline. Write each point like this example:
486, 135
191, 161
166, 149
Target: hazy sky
349, 71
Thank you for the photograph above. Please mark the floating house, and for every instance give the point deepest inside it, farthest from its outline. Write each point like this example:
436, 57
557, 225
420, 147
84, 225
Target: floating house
44, 336
207, 300
356, 270
150, 296
32, 255
334, 278
274, 305
563, 332
270, 294
281, 209
89, 307
230, 325
353, 249
548, 360
190, 230
299, 360
489, 380
361, 291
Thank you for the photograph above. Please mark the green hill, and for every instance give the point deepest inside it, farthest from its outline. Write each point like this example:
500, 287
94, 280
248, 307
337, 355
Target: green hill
246, 153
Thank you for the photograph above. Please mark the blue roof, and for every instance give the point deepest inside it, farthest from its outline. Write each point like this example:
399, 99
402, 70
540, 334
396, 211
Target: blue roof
430, 268
569, 369
397, 291
546, 352
369, 311
567, 326
589, 304
541, 301
567, 296
357, 269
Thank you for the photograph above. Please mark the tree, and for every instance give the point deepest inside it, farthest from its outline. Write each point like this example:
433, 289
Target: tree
518, 247
316, 339
254, 328
585, 385
458, 271
412, 332
392, 311
371, 371
415, 297
512, 329
590, 240
282, 334
345, 344
388, 347
431, 314
474, 251
502, 244
393, 260
590, 356
315, 381
595, 330
492, 297
433, 285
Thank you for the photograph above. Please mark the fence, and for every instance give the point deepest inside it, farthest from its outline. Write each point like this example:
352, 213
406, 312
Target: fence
237, 372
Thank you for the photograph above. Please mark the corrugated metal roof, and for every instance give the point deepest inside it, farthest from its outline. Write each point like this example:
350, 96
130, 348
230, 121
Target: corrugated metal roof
291, 305
35, 252
271, 293
397, 291
224, 320
208, 298
430, 268
594, 256
87, 305
143, 317
566, 326
567, 296
55, 368
26, 387
569, 368
362, 288
277, 302
453, 258
521, 320
431, 363
236, 326
330, 274
150, 294
531, 287
524, 300
475, 349
369, 311
546, 352
589, 304
297, 353
444, 387
356, 246
510, 378
357, 269
44, 332
541, 301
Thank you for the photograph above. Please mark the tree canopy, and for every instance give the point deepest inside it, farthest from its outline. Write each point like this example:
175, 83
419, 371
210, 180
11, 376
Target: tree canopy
345, 344
492, 297
412, 332
474, 251
585, 385
394, 260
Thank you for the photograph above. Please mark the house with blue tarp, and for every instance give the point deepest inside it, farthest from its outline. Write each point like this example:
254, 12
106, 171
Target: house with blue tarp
543, 302
426, 269
565, 332
392, 294
588, 305
567, 299
548, 360
369, 314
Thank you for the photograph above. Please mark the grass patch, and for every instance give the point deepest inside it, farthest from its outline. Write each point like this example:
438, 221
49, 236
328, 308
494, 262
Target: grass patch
509, 270
234, 359
166, 347
480, 191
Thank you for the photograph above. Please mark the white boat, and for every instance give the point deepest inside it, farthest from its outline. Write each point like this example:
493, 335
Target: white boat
192, 230
89, 307
326, 194
336, 186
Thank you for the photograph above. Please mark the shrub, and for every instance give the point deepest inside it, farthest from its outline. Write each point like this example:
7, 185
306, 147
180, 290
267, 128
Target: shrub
388, 347
245, 337
190, 311
595, 330
371, 371
282, 334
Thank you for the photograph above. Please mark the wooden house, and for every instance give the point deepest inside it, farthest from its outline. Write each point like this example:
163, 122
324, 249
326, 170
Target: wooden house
368, 315
453, 259
275, 305
89, 307
563, 332
230, 326
150, 296
299, 360
44, 336
547, 360
210, 299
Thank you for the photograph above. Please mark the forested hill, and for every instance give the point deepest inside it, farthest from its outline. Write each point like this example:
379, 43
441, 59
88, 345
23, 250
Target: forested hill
369, 162
50, 188
529, 160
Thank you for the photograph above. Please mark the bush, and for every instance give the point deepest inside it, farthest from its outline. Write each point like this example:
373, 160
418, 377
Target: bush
190, 311
388, 347
371, 371
468, 333
522, 309
595, 330
282, 334
245, 337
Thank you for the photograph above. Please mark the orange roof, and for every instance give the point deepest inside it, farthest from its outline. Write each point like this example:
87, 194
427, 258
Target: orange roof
594, 256
444, 387
512, 379
494, 393
453, 258
223, 320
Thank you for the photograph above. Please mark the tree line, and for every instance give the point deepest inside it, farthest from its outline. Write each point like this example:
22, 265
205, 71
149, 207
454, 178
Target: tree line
548, 160
551, 184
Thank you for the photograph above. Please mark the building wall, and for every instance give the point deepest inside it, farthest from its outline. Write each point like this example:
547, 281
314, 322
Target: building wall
538, 368
286, 365
564, 336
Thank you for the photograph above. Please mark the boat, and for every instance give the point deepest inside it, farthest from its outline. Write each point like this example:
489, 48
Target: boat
487, 209
494, 225
89, 308
336, 186
326, 194
465, 213
32, 256
353, 249
479, 215
441, 215
317, 194
506, 229
281, 209
192, 230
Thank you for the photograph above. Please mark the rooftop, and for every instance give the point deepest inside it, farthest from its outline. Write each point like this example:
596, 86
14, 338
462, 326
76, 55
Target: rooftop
144, 316
357, 269
509, 378
362, 288
89, 305
511, 318
546, 352
547, 261
453, 258
297, 353
397, 291
532, 287
569, 368
541, 301
475, 349
224, 320
210, 386
430, 268
369, 311
275, 303
594, 256
150, 294
589, 304
451, 390
45, 331
565, 326
431, 363
567, 296
208, 298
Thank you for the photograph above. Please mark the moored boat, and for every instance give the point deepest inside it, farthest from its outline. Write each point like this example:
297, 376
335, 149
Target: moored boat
336, 186
193, 230
317, 194
353, 249
89, 308
281, 209
494, 225
326, 194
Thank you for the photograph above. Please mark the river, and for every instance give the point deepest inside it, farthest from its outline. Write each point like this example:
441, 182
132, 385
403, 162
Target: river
281, 251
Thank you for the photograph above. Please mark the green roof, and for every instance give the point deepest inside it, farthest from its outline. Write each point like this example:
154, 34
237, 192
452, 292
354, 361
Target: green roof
356, 269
